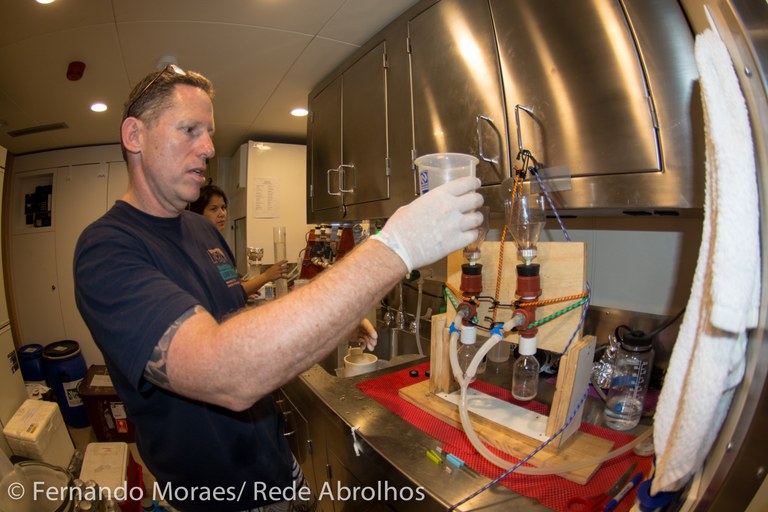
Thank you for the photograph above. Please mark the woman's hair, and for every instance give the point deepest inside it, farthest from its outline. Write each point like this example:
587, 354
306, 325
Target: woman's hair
206, 193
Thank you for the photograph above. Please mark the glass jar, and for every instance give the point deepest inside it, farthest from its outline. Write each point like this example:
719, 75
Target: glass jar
634, 361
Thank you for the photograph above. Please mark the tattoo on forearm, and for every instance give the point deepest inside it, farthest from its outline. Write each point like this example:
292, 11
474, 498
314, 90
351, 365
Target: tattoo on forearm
156, 371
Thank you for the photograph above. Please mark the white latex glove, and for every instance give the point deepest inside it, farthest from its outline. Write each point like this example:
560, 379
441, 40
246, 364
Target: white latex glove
434, 225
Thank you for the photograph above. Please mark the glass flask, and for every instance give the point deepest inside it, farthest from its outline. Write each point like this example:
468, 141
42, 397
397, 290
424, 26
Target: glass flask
525, 371
467, 349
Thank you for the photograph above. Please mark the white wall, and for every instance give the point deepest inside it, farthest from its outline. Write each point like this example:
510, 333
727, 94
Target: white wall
286, 165
276, 168
643, 264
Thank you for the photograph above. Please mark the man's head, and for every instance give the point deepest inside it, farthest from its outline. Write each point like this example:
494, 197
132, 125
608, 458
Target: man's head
167, 140
153, 93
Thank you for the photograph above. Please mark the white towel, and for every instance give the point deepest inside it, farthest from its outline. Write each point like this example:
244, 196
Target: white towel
708, 359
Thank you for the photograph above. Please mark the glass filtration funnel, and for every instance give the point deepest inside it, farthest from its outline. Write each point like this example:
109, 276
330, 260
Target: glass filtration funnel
254, 262
472, 251
525, 218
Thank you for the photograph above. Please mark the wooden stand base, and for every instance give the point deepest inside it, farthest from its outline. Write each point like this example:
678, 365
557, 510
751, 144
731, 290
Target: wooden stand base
580, 447
500, 424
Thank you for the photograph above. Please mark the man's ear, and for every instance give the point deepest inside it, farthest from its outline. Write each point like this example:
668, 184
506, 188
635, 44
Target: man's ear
131, 132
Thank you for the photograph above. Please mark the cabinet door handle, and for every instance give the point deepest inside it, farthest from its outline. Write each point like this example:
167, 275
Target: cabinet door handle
481, 153
328, 181
53, 287
288, 417
343, 178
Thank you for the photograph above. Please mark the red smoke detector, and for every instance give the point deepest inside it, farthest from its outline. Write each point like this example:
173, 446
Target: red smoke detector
75, 70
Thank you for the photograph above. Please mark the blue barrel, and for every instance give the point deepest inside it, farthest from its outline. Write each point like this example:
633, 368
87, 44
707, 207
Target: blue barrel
31, 363
64, 370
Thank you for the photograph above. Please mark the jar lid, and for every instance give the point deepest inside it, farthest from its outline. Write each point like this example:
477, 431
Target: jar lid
634, 339
61, 349
30, 351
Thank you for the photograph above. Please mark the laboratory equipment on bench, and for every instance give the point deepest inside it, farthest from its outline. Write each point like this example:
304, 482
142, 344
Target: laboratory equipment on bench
630, 379
279, 237
440, 168
327, 243
254, 255
467, 349
543, 276
525, 218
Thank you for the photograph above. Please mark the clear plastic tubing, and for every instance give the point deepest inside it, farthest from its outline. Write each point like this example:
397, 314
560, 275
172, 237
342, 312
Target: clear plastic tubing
470, 431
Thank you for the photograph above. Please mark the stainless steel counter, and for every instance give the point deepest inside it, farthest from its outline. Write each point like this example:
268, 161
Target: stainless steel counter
403, 446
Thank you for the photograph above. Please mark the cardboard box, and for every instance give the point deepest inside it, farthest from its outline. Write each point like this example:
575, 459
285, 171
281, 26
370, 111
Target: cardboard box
104, 408
37, 431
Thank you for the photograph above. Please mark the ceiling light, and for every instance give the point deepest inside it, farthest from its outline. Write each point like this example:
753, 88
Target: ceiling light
45, 1
299, 112
98, 107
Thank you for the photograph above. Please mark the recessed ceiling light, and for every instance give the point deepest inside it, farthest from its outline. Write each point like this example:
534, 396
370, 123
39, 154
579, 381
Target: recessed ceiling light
45, 1
98, 107
299, 112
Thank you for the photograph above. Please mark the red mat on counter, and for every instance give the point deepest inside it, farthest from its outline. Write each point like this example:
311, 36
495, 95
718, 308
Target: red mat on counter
551, 491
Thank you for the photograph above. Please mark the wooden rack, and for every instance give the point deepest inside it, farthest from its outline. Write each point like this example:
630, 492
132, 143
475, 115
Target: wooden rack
512, 429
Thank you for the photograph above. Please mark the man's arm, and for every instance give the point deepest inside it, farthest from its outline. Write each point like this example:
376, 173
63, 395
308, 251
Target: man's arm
237, 362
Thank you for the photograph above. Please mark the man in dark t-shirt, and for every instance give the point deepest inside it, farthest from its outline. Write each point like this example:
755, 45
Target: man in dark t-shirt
158, 290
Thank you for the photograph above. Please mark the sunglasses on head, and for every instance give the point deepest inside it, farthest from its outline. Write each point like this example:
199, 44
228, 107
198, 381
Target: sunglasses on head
170, 68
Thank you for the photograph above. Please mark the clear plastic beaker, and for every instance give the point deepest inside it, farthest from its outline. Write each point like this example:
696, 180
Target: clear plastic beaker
439, 168
500, 352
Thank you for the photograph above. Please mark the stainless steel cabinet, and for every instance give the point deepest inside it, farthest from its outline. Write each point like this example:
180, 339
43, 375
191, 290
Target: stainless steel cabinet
575, 66
603, 91
456, 89
611, 89
349, 156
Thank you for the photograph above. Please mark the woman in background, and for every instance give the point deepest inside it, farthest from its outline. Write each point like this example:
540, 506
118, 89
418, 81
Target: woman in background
212, 204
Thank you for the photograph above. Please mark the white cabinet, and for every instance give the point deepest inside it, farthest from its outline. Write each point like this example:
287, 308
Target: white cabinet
35, 288
85, 182
13, 391
81, 198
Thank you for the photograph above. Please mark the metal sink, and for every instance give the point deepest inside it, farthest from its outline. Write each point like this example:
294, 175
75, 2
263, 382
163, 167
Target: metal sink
395, 346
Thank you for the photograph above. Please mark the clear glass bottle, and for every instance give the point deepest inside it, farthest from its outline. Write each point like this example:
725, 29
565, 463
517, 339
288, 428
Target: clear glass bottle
634, 360
525, 371
467, 349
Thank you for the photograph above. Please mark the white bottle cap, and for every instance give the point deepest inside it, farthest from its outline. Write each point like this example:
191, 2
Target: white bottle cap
527, 346
469, 334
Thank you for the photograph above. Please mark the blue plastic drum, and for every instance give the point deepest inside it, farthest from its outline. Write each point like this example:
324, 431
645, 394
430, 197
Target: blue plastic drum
65, 369
31, 363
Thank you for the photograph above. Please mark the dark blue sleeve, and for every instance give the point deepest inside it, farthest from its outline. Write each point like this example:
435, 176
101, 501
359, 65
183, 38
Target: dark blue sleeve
124, 299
